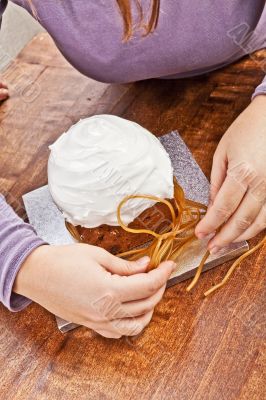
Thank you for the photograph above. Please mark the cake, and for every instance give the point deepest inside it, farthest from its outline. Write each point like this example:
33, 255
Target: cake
94, 165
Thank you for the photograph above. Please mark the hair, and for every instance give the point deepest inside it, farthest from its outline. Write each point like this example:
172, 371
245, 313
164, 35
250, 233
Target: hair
125, 7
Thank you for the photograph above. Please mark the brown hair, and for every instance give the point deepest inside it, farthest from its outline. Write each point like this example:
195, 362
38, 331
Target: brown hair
125, 7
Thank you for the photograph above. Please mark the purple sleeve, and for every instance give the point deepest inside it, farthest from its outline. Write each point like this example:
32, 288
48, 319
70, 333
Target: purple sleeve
261, 89
17, 240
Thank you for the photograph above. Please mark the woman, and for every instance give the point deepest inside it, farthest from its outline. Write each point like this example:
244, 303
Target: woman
104, 40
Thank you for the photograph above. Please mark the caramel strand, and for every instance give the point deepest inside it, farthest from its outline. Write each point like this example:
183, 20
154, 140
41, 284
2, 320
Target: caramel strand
199, 271
73, 231
174, 239
168, 245
234, 265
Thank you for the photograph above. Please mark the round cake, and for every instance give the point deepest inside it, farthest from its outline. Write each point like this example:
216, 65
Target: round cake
98, 162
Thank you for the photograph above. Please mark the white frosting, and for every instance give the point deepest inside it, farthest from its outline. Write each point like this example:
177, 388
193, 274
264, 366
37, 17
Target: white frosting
99, 161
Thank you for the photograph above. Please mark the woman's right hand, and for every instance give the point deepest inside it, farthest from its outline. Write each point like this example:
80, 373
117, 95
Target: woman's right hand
87, 285
3, 91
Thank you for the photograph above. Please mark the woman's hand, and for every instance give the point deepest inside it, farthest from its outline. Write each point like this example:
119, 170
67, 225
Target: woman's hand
89, 286
238, 180
3, 91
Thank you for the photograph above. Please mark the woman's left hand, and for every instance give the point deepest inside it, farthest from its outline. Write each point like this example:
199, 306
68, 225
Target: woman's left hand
238, 181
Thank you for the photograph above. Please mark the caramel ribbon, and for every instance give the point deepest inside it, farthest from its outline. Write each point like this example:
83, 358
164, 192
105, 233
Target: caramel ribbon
172, 242
175, 238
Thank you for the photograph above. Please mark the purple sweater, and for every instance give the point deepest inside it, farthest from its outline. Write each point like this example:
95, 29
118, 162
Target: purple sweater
189, 40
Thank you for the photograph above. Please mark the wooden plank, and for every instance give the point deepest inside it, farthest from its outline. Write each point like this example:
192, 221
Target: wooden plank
42, 51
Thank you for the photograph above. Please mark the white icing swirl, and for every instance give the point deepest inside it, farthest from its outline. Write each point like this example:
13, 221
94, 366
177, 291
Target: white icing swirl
99, 161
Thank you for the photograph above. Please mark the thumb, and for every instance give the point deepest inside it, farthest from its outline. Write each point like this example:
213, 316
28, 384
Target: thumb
2, 84
117, 265
218, 175
3, 94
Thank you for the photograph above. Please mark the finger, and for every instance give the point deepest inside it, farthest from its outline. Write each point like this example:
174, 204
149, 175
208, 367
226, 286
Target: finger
239, 222
226, 202
143, 285
138, 307
3, 94
130, 326
218, 174
123, 326
117, 265
3, 85
108, 334
258, 226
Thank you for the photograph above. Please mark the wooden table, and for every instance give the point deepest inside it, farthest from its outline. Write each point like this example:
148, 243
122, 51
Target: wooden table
194, 348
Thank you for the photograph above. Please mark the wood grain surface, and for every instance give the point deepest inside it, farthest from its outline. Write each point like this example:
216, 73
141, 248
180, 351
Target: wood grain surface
194, 348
